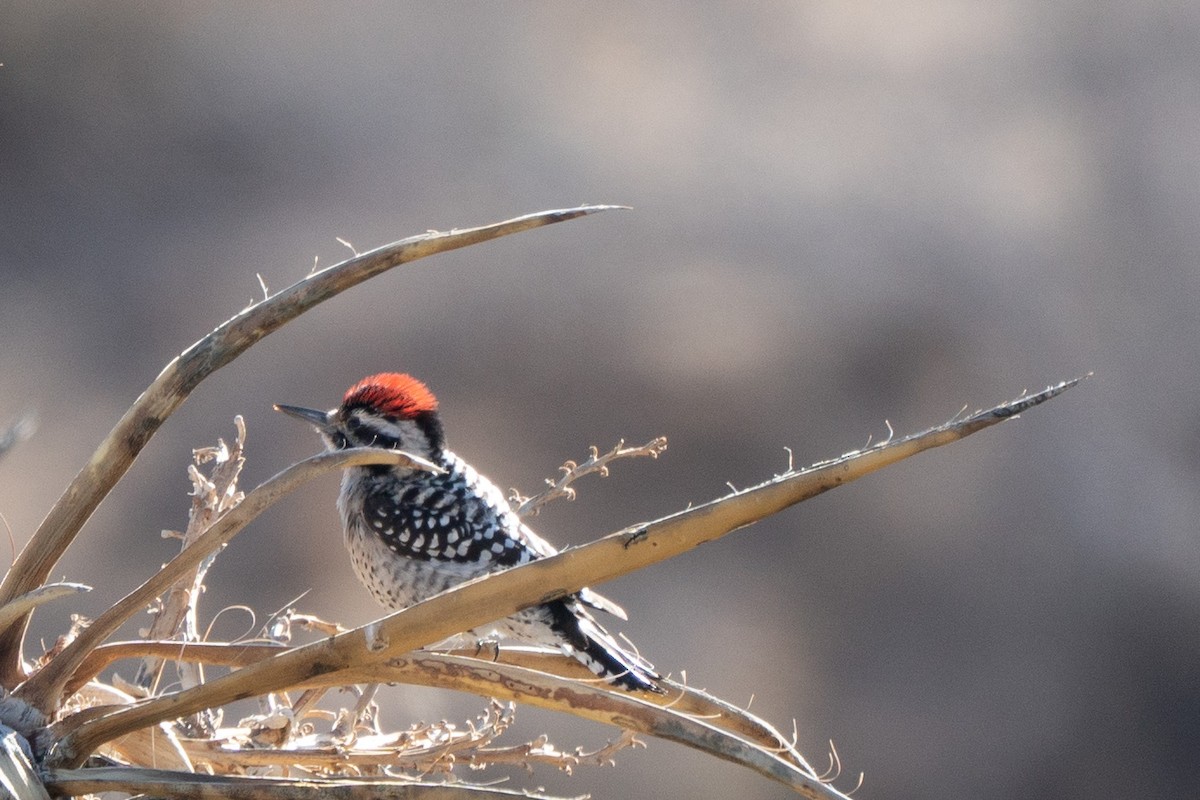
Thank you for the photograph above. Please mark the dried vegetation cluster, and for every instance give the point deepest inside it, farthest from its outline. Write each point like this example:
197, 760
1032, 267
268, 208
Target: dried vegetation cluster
65, 731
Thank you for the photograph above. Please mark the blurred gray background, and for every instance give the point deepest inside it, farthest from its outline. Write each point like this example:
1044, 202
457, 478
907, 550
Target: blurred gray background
844, 213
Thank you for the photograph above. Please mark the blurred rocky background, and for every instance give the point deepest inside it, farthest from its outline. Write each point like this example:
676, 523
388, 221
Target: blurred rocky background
844, 213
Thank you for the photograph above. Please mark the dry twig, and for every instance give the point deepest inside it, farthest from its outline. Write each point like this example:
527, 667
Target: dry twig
176, 617
571, 471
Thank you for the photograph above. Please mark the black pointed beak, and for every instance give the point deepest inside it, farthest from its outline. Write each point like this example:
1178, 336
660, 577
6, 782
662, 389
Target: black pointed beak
319, 419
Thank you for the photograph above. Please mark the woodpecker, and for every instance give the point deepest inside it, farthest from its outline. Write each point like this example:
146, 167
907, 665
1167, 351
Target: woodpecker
413, 533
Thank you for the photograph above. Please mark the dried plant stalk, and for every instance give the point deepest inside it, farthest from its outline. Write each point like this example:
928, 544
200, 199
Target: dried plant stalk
212, 496
171, 388
223, 654
535, 677
423, 749
501, 594
572, 471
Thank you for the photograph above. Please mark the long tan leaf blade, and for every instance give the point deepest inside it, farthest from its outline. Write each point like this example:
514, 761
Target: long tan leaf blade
550, 680
498, 595
230, 339
224, 654
20, 606
437, 668
683, 715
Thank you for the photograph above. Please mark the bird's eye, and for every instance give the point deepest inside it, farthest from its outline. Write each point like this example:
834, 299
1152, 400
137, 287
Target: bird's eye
358, 430
367, 436
338, 440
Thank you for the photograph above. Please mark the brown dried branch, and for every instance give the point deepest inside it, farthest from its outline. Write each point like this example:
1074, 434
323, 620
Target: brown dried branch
532, 677
224, 654
439, 745
422, 750
606, 756
527, 674
571, 471
171, 388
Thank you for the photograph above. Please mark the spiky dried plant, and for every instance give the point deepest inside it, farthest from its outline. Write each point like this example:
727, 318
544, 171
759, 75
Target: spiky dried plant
65, 731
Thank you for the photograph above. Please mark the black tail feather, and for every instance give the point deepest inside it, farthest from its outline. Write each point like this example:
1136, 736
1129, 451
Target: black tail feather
588, 642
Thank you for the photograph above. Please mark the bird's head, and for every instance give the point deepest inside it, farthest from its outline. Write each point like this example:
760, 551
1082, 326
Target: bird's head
392, 410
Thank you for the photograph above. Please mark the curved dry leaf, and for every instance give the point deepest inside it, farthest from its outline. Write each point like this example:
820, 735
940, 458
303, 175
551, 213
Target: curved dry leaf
23, 605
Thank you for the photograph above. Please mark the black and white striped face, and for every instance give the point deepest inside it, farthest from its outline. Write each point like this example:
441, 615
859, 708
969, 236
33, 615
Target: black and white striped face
361, 427
391, 410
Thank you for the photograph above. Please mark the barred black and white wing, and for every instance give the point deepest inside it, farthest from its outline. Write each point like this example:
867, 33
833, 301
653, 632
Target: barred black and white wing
450, 527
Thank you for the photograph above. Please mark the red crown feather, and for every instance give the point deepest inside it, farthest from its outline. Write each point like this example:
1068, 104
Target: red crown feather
393, 393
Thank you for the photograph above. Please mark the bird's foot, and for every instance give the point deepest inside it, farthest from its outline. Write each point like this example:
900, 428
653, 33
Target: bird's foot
487, 648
